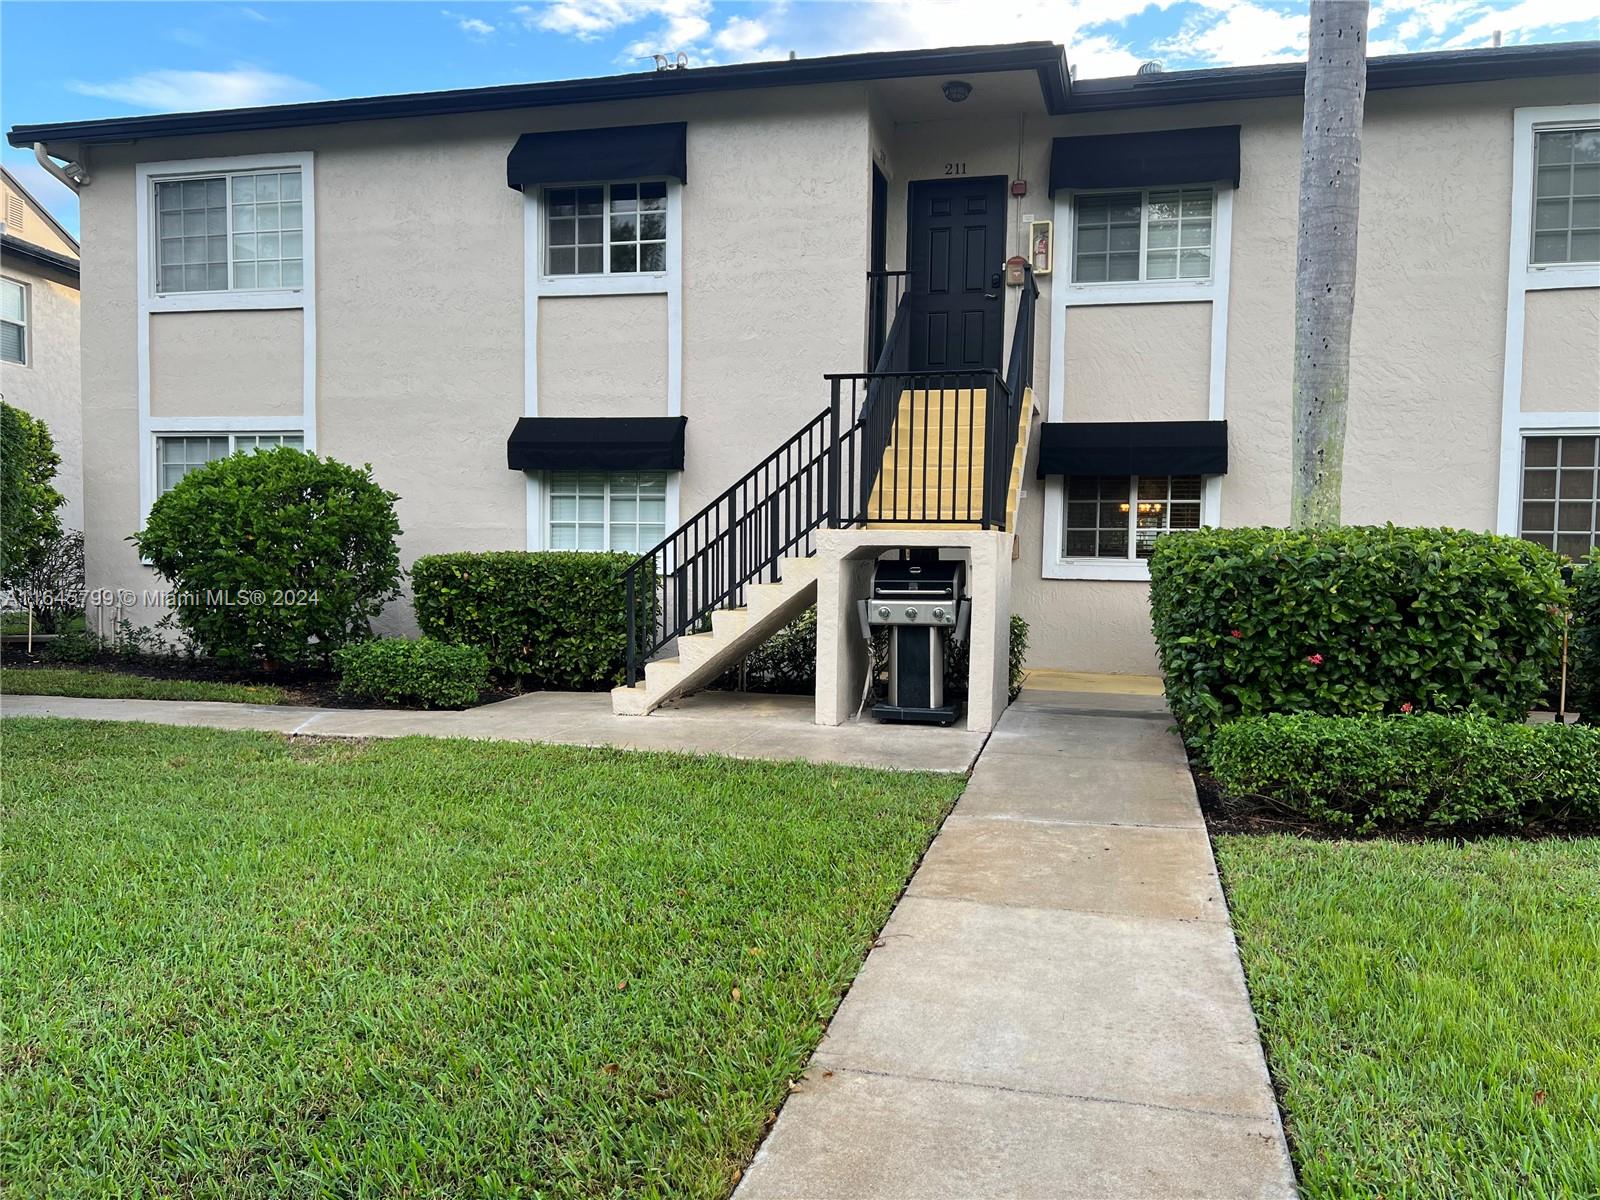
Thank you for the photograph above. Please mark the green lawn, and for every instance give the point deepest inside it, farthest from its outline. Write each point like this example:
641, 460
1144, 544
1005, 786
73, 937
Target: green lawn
236, 966
116, 685
1431, 1011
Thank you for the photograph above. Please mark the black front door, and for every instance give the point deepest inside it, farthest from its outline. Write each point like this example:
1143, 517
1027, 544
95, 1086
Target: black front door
957, 261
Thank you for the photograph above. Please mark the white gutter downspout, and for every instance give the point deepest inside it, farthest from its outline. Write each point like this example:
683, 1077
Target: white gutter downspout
74, 174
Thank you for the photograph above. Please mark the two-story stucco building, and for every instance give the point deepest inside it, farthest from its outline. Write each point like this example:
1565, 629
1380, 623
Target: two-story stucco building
39, 331
575, 314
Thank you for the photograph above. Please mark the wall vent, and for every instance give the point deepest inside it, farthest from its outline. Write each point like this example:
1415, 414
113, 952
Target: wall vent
14, 213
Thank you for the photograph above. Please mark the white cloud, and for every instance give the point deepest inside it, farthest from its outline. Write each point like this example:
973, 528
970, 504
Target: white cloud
741, 35
1238, 32
470, 26
175, 91
683, 22
1516, 22
256, 16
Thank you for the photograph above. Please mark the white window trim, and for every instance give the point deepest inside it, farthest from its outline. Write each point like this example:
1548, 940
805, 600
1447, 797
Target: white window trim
149, 174
539, 494
1141, 290
1105, 567
26, 323
304, 297
623, 283
231, 429
1529, 123
536, 285
1551, 430
1524, 277
1066, 297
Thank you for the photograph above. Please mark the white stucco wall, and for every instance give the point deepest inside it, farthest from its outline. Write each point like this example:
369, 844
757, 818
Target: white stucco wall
603, 356
1561, 356
1147, 359
47, 387
209, 364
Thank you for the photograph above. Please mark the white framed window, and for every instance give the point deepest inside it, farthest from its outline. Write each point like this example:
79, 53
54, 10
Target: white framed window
1560, 501
1566, 195
14, 299
179, 453
606, 229
234, 231
1121, 516
1156, 234
624, 511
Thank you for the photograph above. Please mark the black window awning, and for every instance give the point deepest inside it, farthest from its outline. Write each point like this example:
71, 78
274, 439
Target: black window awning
596, 444
619, 153
1134, 448
1138, 160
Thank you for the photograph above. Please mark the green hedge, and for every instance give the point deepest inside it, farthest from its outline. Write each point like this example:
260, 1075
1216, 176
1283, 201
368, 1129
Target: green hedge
423, 674
1424, 769
1583, 656
556, 619
1350, 621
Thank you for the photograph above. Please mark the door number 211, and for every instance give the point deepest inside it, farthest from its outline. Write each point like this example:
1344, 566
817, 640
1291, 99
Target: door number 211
955, 168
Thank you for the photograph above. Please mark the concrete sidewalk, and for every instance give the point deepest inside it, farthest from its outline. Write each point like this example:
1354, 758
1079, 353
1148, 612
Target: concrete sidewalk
1056, 1008
740, 726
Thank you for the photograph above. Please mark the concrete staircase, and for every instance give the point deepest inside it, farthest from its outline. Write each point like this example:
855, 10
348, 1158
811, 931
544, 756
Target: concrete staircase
702, 657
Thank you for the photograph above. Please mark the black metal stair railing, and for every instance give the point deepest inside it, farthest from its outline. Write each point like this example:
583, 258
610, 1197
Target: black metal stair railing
842, 469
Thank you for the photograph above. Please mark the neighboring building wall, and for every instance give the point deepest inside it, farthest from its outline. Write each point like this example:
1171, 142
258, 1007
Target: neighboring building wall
47, 386
34, 227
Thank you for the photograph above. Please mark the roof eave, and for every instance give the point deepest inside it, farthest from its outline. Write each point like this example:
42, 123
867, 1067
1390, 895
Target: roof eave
1047, 59
1384, 73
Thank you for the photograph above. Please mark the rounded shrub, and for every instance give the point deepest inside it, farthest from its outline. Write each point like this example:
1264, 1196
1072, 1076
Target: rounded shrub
276, 555
1422, 769
1351, 621
29, 522
415, 674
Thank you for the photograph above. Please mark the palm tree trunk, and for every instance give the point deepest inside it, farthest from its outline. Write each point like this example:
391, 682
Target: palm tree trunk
1325, 273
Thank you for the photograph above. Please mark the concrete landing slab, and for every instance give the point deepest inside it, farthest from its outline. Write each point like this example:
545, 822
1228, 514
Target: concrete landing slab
1134, 871
778, 728
849, 1134
1139, 1011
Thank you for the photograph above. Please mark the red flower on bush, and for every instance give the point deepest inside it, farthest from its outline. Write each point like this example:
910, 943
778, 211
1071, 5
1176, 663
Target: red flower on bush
1314, 659
1406, 707
1238, 633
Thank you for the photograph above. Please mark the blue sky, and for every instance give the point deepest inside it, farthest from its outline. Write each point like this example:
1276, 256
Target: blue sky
63, 61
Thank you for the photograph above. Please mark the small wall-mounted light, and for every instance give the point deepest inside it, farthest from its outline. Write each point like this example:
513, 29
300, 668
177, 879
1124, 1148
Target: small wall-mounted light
957, 90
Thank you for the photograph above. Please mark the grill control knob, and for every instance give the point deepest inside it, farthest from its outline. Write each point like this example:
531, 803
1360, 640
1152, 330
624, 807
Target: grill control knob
883, 611
938, 614
911, 614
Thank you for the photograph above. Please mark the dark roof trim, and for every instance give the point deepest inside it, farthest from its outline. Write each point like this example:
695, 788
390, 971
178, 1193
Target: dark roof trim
1289, 79
13, 249
1046, 58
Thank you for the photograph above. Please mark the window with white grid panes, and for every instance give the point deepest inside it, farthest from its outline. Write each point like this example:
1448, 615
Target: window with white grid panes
624, 511
1561, 492
1121, 516
13, 322
1566, 196
178, 454
606, 229
238, 232
1143, 236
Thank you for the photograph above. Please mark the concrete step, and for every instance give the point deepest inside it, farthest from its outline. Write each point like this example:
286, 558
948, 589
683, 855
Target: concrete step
702, 657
